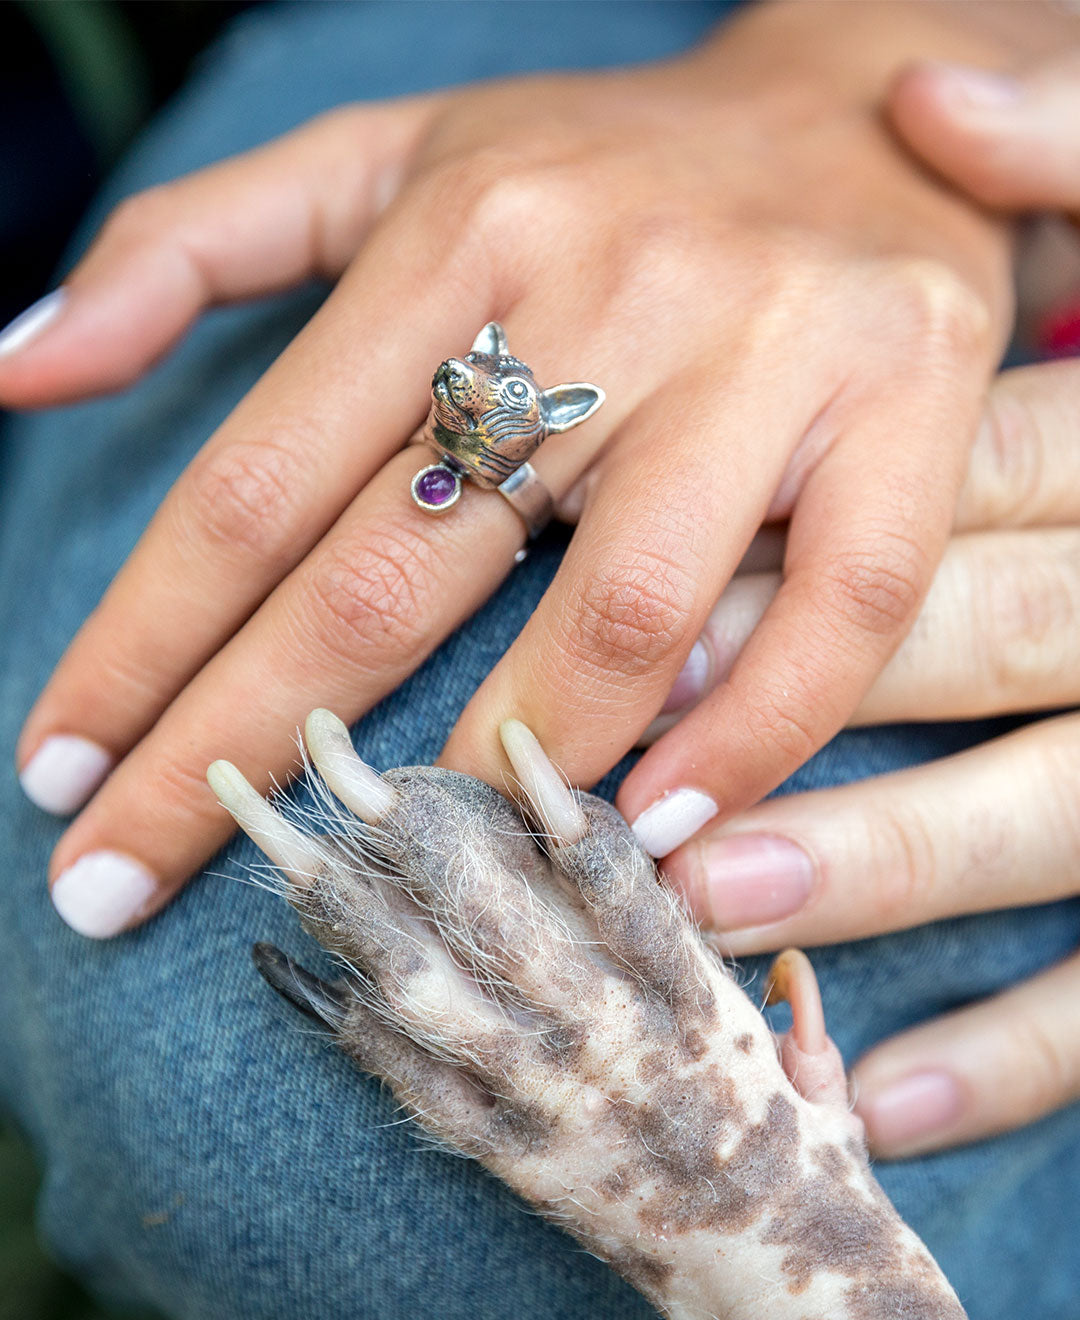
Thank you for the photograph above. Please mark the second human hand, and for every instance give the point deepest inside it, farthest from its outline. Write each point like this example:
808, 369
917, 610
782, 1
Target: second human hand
994, 827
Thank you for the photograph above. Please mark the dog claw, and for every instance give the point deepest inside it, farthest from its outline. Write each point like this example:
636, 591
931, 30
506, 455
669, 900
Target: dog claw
811, 1061
361, 789
286, 846
305, 991
543, 786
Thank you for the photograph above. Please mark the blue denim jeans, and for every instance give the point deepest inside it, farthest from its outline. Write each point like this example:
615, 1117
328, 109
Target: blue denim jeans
203, 1152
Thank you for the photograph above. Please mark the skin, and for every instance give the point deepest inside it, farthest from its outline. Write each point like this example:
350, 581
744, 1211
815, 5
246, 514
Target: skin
997, 826
555, 1015
672, 233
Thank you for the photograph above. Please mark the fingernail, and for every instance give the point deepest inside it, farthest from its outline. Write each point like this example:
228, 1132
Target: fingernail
746, 880
1058, 335
672, 820
689, 687
29, 324
979, 89
912, 1109
102, 893
63, 772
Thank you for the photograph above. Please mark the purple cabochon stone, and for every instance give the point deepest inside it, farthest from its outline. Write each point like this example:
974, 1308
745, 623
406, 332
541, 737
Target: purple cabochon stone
436, 486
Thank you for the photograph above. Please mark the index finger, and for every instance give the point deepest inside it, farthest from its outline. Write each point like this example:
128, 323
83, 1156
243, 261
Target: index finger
264, 489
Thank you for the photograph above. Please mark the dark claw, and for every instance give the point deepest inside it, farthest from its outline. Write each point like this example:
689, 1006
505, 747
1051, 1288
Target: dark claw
318, 999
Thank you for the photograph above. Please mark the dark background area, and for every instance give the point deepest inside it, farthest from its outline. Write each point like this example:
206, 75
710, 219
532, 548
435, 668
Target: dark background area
77, 80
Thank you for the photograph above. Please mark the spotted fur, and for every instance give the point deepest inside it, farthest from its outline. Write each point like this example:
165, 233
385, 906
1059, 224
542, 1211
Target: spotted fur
552, 1012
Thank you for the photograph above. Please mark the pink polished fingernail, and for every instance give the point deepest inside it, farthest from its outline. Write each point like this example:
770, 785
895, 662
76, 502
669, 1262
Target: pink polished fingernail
979, 89
912, 1109
689, 687
63, 773
745, 880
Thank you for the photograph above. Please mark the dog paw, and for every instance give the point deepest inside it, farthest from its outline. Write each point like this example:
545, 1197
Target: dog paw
537, 999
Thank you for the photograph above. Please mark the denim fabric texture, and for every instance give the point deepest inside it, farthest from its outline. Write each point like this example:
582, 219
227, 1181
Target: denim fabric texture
205, 1151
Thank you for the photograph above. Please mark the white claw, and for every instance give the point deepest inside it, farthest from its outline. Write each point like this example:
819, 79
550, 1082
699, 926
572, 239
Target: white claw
285, 845
548, 793
361, 789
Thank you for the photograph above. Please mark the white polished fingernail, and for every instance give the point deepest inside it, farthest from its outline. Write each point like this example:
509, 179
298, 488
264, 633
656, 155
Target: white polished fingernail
63, 772
29, 324
102, 893
673, 819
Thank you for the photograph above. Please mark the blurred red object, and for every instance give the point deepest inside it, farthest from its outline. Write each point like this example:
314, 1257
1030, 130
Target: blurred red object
1058, 333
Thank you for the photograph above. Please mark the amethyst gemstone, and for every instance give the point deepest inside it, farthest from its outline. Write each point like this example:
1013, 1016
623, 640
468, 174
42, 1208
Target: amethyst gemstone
438, 485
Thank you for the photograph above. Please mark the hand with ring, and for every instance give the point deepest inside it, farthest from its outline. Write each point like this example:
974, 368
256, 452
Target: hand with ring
994, 827
789, 319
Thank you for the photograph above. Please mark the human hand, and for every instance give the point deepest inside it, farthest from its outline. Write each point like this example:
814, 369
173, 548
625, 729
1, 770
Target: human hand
994, 827
289, 568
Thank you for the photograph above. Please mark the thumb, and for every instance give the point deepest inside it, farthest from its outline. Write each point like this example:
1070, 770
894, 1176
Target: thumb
1010, 140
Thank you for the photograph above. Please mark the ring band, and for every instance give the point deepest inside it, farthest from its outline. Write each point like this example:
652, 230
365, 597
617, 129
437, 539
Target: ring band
487, 418
529, 497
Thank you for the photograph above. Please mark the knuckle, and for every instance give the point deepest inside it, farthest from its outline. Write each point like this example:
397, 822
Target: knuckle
1049, 1070
513, 196
628, 618
877, 590
1008, 460
906, 868
131, 671
490, 211
243, 497
496, 192
1029, 608
180, 788
942, 313
367, 599
142, 216
775, 719
520, 207
1057, 773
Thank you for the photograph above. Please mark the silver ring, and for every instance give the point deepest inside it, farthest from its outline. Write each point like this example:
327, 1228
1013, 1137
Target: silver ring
488, 417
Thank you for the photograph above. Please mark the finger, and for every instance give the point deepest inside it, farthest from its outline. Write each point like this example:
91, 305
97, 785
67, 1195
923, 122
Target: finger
1000, 613
999, 631
1025, 464
728, 628
262, 221
345, 628
1011, 141
979, 1071
994, 827
862, 546
361, 612
264, 489
592, 665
